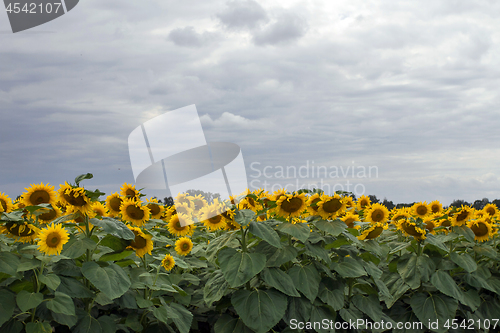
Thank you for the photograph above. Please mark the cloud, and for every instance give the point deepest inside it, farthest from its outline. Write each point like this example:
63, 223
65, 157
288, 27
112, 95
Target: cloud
242, 15
231, 121
287, 27
188, 37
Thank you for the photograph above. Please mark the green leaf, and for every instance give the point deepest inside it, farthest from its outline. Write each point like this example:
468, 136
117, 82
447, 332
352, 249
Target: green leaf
116, 256
486, 251
115, 243
436, 241
278, 279
26, 300
244, 216
83, 177
306, 280
317, 250
181, 317
466, 232
88, 324
259, 309
298, 309
238, 267
300, 231
332, 293
334, 227
107, 323
143, 303
63, 319
445, 284
50, 280
27, 264
226, 239
464, 260
111, 280
430, 308
350, 314
369, 305
61, 303
281, 256
77, 247
114, 227
323, 315
215, 288
266, 233
228, 324
407, 268
349, 268
7, 305
73, 288
38, 327
9, 263
426, 267
66, 267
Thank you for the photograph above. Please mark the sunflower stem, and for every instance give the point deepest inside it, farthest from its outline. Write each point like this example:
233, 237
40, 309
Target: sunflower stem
243, 239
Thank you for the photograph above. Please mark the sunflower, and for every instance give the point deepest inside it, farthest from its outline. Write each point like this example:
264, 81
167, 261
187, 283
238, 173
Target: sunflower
291, 205
349, 220
363, 202
491, 210
312, 204
421, 209
249, 203
134, 212
6, 205
430, 223
52, 239
482, 229
212, 218
175, 227
184, 198
436, 206
349, 202
23, 232
411, 229
400, 214
183, 246
39, 194
168, 262
373, 231
142, 243
99, 209
183, 208
155, 208
376, 213
75, 198
462, 217
113, 203
128, 191
198, 202
49, 214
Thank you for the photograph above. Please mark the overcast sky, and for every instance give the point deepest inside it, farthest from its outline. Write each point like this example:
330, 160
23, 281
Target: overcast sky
409, 88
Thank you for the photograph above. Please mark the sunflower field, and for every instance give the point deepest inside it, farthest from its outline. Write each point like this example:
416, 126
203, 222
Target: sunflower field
76, 260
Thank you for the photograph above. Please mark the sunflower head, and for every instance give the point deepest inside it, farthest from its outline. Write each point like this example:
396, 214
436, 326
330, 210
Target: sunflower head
134, 212
168, 262
176, 228
155, 208
21, 232
481, 228
411, 229
376, 213
349, 219
330, 207
291, 205
436, 206
142, 242
99, 209
491, 210
183, 246
52, 239
49, 214
363, 201
129, 191
211, 216
421, 209
373, 231
6, 205
75, 198
462, 216
312, 204
113, 204
39, 194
